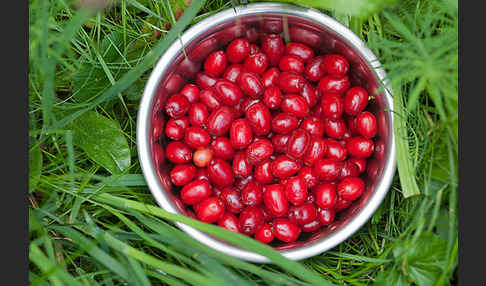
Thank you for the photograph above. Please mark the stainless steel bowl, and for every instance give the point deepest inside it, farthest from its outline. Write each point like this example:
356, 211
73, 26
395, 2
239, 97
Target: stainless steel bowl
311, 27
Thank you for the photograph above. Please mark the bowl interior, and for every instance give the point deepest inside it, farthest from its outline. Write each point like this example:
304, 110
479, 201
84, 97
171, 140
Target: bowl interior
182, 68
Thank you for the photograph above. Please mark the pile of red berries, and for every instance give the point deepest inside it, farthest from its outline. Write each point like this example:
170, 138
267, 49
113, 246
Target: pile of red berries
271, 140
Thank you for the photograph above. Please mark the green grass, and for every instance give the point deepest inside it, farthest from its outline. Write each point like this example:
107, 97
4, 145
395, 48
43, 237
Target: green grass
92, 219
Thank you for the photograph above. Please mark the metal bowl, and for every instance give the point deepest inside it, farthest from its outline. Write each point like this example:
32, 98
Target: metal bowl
325, 35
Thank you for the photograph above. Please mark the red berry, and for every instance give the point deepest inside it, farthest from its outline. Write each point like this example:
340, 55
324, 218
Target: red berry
326, 216
195, 191
196, 137
296, 190
228, 92
191, 92
332, 84
230, 222
222, 148
313, 125
252, 194
177, 105
300, 50
264, 233
232, 200
361, 163
250, 220
290, 82
298, 143
317, 149
178, 152
182, 174
279, 142
310, 94
315, 69
220, 120
335, 128
309, 177
325, 195
332, 105
202, 157
232, 73
251, 84
254, 49
241, 133
302, 214
351, 188
272, 97
328, 169
335, 150
341, 204
175, 129
285, 230
198, 114
238, 50
355, 100
295, 104
311, 226
205, 80
349, 169
209, 98
215, 63
256, 63
284, 167
258, 151
284, 123
263, 172
366, 123
273, 47
336, 65
360, 147
210, 210
259, 118
220, 172
270, 77
291, 64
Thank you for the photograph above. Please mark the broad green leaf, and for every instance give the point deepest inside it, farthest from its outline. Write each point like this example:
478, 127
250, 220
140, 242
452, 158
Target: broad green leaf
102, 140
391, 277
423, 260
35, 166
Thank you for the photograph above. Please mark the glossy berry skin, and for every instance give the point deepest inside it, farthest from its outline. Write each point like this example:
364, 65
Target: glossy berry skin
275, 200
273, 46
335, 128
336, 151
205, 80
215, 63
314, 70
202, 174
202, 157
196, 191
341, 204
279, 142
209, 98
230, 222
182, 174
228, 92
290, 82
314, 125
259, 151
238, 50
256, 63
220, 172
222, 148
352, 123
284, 166
326, 216
366, 124
254, 49
191, 92
302, 214
332, 84
327, 169
311, 226
210, 210
233, 72
317, 149
304, 52
296, 190
178, 152
360, 147
351, 188
177, 105
176, 128
298, 143
259, 118
332, 105
250, 220
361, 163
263, 172
267, 216
355, 100
198, 114
272, 97
242, 182
270, 77
309, 177
285, 230
196, 137
325, 196
252, 194
264, 233
220, 121
310, 94
251, 84
232, 200
241, 133
291, 64
349, 169
295, 104
336, 65
284, 123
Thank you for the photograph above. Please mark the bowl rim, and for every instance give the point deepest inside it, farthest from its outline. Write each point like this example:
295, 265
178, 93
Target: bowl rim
144, 113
